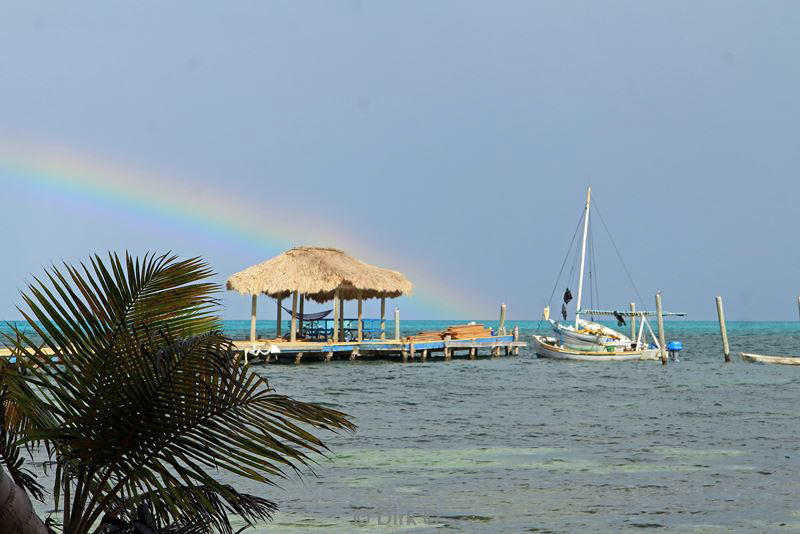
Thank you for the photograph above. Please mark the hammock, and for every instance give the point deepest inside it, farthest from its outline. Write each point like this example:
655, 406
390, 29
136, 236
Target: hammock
309, 316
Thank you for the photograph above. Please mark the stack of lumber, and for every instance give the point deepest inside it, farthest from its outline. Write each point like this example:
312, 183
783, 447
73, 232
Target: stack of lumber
467, 331
424, 336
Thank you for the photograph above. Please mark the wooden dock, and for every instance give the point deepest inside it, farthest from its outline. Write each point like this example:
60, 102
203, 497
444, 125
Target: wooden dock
408, 349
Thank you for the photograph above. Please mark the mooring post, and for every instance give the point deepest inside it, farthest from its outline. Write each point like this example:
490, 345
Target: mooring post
661, 341
633, 321
501, 330
726, 350
397, 324
424, 355
411, 349
329, 356
516, 338
446, 348
472, 354
253, 318
298, 358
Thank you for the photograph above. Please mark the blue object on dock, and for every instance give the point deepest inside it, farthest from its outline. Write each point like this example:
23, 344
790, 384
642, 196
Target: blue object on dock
674, 346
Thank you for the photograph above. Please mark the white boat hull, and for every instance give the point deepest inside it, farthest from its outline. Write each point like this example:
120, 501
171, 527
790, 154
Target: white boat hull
761, 358
547, 348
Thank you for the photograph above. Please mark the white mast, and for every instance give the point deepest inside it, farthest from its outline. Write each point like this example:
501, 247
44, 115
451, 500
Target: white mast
583, 256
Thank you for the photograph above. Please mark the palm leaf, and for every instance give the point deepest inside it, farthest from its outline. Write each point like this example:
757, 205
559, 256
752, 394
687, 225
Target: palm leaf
148, 397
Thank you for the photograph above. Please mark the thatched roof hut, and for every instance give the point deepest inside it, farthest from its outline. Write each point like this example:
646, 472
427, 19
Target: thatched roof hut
319, 274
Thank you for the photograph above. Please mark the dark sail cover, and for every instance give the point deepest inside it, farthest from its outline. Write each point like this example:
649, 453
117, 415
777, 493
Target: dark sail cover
564, 311
567, 296
620, 318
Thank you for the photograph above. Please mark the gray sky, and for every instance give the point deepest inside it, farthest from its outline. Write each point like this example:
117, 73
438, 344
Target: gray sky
451, 140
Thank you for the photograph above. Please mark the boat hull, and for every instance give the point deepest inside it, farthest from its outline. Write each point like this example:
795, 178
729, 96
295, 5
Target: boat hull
761, 358
547, 348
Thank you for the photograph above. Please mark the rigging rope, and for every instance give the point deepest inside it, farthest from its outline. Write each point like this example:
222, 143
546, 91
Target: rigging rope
630, 279
564, 263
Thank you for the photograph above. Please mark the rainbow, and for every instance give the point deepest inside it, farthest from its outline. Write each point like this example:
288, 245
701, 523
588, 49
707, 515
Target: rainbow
176, 201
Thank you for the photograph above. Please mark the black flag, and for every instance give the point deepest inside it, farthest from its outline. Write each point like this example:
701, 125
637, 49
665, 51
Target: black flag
567, 296
620, 318
564, 311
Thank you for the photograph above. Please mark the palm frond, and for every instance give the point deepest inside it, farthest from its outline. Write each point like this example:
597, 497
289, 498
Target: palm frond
148, 397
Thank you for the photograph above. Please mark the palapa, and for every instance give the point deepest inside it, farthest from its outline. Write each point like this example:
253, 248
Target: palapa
320, 274
317, 273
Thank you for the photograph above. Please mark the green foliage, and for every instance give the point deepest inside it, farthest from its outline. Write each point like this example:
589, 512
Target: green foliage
143, 401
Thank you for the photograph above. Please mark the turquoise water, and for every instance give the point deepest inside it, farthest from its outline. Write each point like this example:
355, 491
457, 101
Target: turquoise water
515, 444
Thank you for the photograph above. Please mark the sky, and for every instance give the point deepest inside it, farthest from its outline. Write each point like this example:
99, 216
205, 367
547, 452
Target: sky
453, 141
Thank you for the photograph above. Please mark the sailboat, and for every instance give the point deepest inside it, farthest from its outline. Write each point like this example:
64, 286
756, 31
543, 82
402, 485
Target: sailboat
590, 341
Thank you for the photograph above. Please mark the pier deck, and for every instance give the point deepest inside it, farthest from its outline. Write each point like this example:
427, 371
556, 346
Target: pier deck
276, 351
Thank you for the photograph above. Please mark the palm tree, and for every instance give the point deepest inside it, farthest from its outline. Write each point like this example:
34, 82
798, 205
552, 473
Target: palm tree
142, 401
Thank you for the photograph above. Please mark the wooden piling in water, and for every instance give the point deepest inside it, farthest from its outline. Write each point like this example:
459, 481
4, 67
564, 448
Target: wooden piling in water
397, 323
298, 358
726, 350
661, 341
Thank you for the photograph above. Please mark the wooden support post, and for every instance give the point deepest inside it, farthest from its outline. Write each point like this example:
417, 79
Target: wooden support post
329, 356
336, 316
447, 350
293, 331
472, 353
424, 354
516, 338
383, 318
397, 323
501, 330
298, 357
302, 311
661, 330
360, 335
354, 354
341, 319
253, 318
726, 350
411, 350
633, 321
508, 350
278, 319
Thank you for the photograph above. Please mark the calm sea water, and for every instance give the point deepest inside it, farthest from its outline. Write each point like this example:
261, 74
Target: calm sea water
516, 444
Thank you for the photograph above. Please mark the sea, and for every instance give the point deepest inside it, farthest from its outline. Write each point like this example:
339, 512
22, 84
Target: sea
520, 444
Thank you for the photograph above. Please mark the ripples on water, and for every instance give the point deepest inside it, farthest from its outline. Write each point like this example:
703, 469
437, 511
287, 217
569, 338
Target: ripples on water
515, 444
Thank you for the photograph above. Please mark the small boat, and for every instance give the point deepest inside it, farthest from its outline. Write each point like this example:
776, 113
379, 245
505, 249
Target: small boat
591, 341
761, 358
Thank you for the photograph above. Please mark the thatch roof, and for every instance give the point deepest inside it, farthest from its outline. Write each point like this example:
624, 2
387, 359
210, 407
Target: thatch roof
317, 272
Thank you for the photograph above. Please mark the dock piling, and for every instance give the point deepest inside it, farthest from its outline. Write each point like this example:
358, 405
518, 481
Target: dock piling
298, 358
516, 338
661, 341
726, 350
397, 324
